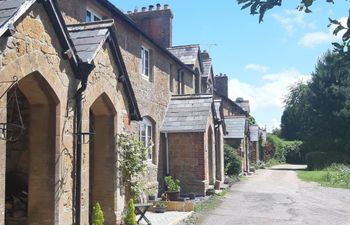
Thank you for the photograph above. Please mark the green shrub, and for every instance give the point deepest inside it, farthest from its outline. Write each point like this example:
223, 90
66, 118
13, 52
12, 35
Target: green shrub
232, 161
173, 185
97, 215
130, 218
320, 160
316, 160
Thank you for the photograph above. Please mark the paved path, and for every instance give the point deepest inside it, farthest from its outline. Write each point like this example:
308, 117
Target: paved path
167, 218
277, 197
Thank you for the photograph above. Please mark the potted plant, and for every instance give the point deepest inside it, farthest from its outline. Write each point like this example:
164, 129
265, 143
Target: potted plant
173, 188
151, 195
159, 207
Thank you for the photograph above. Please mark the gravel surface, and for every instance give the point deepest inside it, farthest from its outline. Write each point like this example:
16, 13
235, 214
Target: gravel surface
277, 197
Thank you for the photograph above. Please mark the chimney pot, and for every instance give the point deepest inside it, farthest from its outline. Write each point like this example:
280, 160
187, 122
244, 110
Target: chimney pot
166, 6
159, 7
150, 8
136, 10
144, 9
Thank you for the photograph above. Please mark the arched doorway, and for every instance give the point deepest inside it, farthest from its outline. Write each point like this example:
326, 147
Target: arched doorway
103, 157
30, 152
211, 157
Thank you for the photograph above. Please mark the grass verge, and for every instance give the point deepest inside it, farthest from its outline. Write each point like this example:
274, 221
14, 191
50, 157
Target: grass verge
328, 177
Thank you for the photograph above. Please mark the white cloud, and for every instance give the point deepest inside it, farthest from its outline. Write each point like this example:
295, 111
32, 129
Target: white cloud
257, 67
270, 95
312, 39
315, 38
293, 20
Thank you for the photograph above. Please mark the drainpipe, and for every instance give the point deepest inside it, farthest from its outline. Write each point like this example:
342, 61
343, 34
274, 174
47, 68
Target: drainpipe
86, 69
167, 154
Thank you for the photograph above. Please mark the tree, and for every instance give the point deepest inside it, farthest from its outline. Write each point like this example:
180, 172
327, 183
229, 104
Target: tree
318, 113
295, 117
261, 7
251, 120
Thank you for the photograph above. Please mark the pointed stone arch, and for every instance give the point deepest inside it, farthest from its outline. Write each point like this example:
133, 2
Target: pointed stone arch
30, 157
103, 157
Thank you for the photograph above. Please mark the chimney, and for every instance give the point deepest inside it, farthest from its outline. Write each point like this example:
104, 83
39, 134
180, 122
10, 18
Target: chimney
221, 84
156, 23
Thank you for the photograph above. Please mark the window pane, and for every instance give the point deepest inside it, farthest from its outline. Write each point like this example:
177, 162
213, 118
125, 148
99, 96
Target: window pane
88, 16
149, 135
146, 63
96, 18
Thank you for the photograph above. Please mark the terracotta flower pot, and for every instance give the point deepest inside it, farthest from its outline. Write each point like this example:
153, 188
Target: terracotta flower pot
173, 195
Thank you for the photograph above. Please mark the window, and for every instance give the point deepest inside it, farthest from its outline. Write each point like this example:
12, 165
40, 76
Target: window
146, 136
182, 83
92, 16
145, 62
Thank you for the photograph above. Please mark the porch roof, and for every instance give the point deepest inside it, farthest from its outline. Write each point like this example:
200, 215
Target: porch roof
235, 127
187, 113
88, 38
254, 132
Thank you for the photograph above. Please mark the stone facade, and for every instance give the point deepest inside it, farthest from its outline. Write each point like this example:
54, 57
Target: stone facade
152, 93
46, 81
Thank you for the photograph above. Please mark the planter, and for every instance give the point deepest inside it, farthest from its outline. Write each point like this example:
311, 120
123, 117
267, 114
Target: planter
173, 196
151, 198
159, 209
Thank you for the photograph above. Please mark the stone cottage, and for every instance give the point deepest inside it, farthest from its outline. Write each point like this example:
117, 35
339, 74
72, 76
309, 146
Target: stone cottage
236, 115
65, 94
73, 75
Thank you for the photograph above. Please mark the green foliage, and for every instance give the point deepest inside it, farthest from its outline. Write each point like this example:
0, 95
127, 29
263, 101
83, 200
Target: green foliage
251, 120
337, 175
232, 161
97, 215
261, 7
130, 218
132, 159
318, 113
173, 185
281, 150
320, 160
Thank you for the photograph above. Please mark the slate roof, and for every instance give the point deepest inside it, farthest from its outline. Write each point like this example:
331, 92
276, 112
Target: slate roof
206, 68
188, 54
10, 11
187, 113
244, 105
88, 38
235, 127
254, 132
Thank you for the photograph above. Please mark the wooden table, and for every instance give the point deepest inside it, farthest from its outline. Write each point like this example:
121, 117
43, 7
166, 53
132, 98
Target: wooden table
142, 209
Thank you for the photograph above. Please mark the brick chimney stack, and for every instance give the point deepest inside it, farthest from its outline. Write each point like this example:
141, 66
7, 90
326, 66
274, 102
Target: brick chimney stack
221, 84
156, 22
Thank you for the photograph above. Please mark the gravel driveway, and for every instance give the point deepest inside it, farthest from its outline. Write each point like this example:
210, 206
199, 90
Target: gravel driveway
277, 196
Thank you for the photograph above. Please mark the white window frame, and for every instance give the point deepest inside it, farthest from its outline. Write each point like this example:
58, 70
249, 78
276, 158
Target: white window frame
146, 126
93, 14
145, 63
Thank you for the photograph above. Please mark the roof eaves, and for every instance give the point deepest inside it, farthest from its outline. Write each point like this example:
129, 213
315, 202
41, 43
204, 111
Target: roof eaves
127, 19
22, 9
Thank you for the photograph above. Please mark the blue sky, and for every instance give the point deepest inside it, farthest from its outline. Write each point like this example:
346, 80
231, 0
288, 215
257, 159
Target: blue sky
261, 60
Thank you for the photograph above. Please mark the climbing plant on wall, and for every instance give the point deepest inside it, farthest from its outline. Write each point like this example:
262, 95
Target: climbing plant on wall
132, 157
